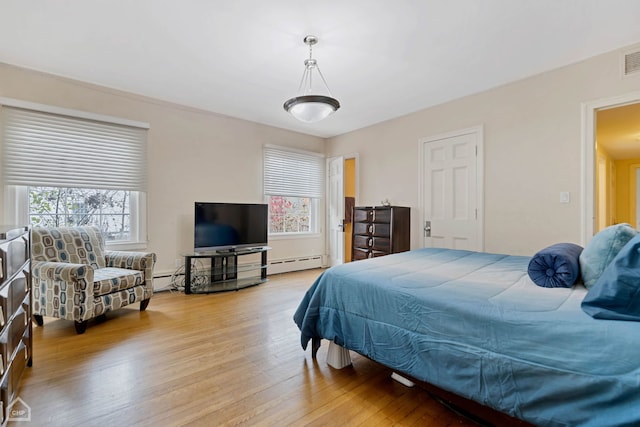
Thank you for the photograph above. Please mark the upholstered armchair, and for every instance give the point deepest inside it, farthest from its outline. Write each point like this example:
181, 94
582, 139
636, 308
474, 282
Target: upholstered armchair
75, 278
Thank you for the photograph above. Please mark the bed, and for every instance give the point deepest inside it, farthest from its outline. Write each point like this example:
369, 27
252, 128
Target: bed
475, 325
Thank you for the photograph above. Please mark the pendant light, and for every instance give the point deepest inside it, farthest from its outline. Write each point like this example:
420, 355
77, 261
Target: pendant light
311, 106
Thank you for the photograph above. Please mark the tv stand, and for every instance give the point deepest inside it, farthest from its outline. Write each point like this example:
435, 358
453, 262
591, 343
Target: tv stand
223, 273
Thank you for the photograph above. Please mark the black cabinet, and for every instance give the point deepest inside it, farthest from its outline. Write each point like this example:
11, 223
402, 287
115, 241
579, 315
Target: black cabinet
380, 230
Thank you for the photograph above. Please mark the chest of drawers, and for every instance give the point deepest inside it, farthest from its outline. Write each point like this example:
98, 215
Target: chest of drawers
380, 230
15, 312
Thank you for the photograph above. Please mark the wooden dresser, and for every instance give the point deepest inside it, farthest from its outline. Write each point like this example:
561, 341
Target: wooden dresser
15, 316
380, 230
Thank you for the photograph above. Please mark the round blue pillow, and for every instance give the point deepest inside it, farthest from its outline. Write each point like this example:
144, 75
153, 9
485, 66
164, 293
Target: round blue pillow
556, 266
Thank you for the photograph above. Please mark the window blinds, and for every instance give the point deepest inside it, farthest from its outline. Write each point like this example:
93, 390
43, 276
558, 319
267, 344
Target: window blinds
293, 173
55, 150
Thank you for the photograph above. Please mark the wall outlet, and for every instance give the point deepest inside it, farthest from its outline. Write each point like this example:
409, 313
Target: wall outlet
565, 197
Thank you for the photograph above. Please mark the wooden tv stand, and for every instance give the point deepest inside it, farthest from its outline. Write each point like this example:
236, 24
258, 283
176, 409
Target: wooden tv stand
223, 272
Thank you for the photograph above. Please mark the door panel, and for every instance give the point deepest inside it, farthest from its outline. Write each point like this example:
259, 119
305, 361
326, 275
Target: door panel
336, 211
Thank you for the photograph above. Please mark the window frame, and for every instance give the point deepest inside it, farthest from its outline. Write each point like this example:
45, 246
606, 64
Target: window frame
316, 193
18, 197
314, 223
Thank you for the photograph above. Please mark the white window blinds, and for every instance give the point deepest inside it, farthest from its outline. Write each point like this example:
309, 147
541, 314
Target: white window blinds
56, 150
293, 173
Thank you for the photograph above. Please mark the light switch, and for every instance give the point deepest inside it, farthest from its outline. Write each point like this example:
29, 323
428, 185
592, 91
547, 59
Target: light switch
565, 197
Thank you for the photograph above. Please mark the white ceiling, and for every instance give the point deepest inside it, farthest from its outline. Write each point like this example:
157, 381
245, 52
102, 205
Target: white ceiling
381, 58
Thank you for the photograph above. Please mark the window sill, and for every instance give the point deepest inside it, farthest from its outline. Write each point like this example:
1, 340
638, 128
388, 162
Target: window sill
126, 246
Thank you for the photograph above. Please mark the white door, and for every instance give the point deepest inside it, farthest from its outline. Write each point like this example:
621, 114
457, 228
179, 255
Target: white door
336, 210
451, 190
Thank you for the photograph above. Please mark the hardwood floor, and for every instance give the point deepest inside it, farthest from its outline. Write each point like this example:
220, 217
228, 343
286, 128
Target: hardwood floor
219, 359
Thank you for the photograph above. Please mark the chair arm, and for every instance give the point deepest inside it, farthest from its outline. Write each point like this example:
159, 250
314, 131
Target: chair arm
63, 290
81, 275
130, 260
143, 261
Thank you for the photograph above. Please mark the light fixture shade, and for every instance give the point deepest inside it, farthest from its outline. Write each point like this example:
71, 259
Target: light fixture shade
311, 108
311, 105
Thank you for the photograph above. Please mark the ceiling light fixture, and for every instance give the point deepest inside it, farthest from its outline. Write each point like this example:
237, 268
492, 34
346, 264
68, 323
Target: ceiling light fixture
311, 106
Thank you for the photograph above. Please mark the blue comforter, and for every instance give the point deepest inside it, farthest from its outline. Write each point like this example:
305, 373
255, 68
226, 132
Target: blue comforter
474, 324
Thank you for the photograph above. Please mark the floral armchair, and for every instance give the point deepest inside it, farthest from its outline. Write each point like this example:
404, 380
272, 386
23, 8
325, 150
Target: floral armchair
75, 278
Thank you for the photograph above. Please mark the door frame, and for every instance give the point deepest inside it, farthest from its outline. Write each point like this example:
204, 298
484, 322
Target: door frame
588, 144
479, 132
327, 237
634, 191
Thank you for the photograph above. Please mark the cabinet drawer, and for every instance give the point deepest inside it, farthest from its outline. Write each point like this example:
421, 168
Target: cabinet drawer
372, 215
359, 253
22, 351
11, 378
361, 228
362, 241
11, 296
14, 255
376, 243
381, 230
382, 215
382, 244
12, 335
362, 215
378, 230
19, 290
4, 395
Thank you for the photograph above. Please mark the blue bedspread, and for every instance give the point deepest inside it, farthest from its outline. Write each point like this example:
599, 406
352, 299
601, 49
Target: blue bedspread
474, 324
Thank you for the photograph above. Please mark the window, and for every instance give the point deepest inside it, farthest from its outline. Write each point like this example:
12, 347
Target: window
290, 214
68, 168
293, 184
68, 207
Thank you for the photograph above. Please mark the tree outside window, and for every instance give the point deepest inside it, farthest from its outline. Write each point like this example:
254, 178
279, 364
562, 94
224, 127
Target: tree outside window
110, 210
290, 214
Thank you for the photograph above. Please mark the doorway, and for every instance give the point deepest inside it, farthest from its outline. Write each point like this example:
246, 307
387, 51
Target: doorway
611, 159
342, 189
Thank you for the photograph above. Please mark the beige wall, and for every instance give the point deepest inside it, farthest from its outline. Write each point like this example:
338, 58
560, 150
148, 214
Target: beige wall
532, 146
193, 156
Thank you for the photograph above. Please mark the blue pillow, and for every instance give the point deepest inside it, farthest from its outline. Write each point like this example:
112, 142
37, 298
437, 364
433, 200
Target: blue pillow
601, 250
616, 294
557, 266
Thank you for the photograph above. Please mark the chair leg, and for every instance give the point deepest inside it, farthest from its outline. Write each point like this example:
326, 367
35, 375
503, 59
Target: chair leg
144, 303
81, 327
38, 319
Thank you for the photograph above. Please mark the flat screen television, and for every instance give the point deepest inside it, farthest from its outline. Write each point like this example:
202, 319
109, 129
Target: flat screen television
228, 226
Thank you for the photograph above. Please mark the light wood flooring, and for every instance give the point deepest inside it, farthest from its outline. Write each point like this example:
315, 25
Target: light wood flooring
220, 359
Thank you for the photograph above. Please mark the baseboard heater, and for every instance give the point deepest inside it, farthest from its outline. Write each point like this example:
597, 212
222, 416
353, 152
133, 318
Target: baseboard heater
162, 280
287, 265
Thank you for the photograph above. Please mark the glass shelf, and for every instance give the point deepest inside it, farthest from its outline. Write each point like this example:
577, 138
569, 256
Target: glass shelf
226, 285
219, 271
